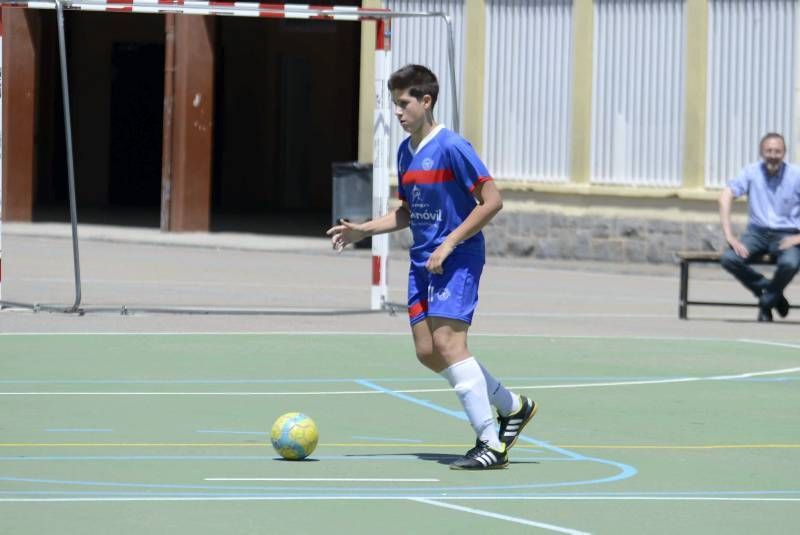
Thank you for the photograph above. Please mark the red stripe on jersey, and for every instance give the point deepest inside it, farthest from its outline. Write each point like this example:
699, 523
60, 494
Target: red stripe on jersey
417, 308
481, 180
427, 177
376, 270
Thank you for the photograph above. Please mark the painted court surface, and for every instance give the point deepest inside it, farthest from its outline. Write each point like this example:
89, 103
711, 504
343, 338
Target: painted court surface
157, 423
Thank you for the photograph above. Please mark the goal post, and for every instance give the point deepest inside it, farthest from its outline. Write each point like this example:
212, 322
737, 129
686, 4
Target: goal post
379, 295
382, 18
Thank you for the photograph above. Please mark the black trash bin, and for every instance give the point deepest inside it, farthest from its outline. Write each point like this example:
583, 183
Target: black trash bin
352, 194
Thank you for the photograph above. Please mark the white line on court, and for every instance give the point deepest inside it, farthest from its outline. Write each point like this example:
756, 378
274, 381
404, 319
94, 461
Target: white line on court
317, 479
498, 516
321, 393
768, 343
171, 283
403, 332
391, 498
782, 371
571, 315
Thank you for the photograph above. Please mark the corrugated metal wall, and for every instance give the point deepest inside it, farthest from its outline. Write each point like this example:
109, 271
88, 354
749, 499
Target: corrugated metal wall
638, 93
424, 41
527, 93
751, 64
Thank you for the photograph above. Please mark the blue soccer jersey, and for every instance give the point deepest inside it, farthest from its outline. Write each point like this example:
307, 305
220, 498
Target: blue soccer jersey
438, 183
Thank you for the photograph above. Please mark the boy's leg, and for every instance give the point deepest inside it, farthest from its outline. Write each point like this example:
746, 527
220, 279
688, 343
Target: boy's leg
440, 324
514, 411
441, 346
505, 401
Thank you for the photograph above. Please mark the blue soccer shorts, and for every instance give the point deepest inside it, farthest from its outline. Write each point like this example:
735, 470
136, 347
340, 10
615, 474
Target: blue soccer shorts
452, 294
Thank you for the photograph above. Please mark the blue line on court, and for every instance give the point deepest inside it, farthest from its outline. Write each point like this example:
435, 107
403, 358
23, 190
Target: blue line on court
48, 458
383, 439
626, 471
79, 430
687, 494
460, 415
352, 489
225, 432
455, 414
295, 489
168, 381
321, 380
354, 457
538, 381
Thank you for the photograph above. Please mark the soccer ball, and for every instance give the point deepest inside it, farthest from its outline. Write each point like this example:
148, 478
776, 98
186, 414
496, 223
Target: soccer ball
294, 436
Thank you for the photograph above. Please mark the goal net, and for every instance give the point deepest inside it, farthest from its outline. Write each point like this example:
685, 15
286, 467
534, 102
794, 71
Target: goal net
235, 287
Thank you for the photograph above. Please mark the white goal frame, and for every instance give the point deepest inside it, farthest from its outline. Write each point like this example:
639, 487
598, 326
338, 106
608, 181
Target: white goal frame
382, 117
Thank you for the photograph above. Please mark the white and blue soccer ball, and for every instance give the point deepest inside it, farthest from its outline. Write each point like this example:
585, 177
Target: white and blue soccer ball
294, 436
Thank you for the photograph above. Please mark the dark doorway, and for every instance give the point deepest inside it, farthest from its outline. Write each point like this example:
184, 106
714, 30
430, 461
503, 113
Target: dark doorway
116, 73
137, 93
286, 108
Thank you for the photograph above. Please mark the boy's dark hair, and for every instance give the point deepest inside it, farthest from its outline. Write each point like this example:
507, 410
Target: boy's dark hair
419, 81
771, 135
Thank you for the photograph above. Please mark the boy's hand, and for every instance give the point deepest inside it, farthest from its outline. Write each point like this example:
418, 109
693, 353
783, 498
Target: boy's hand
436, 260
345, 233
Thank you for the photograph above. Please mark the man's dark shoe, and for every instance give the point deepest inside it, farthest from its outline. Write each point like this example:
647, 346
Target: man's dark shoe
482, 457
511, 426
764, 314
782, 306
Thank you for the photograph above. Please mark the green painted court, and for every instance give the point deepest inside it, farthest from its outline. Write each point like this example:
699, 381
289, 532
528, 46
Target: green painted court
168, 433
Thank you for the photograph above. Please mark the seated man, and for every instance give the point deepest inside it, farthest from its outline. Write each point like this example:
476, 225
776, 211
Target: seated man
773, 196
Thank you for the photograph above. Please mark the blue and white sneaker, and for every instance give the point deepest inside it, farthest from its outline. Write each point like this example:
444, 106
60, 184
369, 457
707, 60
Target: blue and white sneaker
511, 426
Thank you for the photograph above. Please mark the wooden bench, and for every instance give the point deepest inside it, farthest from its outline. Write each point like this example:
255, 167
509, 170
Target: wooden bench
708, 257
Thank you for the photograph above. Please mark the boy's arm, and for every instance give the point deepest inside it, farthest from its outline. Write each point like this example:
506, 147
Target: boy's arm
490, 202
346, 232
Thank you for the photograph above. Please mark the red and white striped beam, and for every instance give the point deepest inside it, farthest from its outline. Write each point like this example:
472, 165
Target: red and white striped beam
194, 7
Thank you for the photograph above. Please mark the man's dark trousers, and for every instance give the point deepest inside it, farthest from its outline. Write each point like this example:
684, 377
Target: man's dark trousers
760, 241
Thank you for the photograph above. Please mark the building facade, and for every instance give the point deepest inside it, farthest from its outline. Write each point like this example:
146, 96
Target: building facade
609, 125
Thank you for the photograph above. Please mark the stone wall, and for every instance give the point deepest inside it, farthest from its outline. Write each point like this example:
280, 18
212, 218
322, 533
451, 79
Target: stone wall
552, 235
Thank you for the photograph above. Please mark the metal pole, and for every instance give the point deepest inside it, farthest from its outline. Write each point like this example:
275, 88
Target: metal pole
73, 212
451, 55
169, 110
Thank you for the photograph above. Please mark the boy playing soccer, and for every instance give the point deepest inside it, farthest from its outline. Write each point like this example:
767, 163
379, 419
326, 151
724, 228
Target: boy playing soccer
440, 178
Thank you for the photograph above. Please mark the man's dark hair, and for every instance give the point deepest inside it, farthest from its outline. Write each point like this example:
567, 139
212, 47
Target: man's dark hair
771, 135
418, 80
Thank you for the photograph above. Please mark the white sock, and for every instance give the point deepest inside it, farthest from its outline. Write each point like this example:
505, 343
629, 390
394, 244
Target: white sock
503, 399
467, 380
